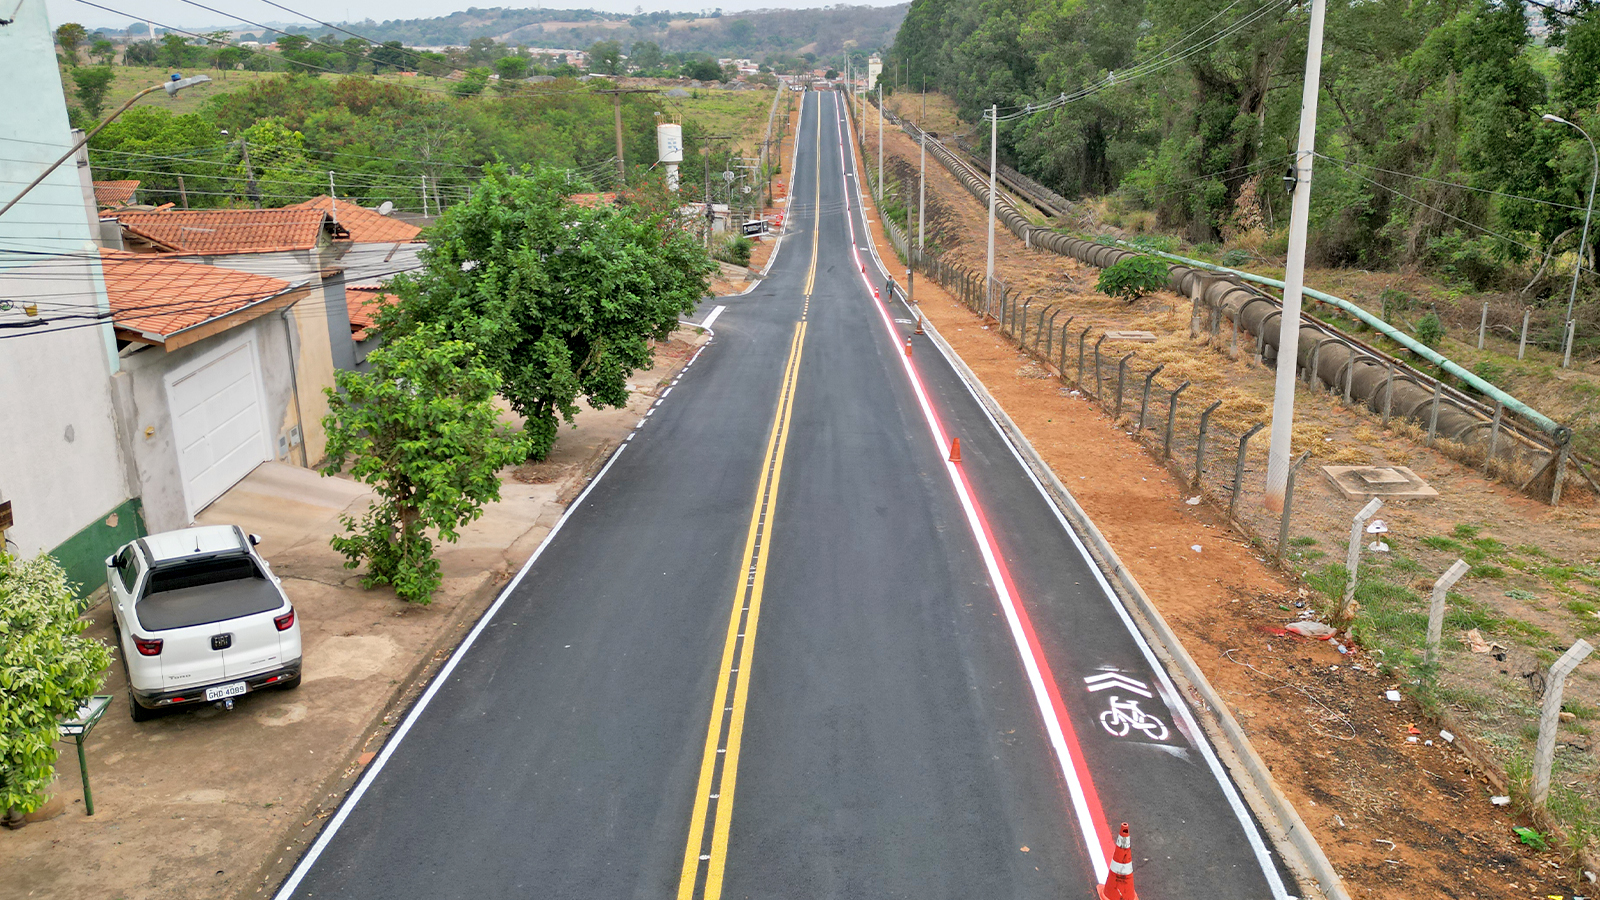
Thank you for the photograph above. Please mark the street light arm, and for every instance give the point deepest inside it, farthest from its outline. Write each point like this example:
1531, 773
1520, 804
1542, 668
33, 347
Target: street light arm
1567, 328
165, 85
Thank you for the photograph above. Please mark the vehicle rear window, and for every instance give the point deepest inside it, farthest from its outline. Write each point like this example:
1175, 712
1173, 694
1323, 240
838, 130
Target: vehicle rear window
205, 591
202, 572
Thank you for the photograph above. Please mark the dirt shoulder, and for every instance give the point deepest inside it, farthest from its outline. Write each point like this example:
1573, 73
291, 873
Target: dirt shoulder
214, 803
1397, 817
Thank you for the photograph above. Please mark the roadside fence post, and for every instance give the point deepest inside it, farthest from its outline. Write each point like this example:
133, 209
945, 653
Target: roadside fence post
1483, 324
1122, 374
1238, 467
1436, 607
1350, 375
1172, 411
1433, 411
1544, 751
1061, 363
1200, 445
1098, 396
1050, 334
1081, 339
1352, 560
1194, 317
1216, 324
1023, 340
1560, 474
1144, 402
1388, 394
1288, 505
1494, 435
1522, 345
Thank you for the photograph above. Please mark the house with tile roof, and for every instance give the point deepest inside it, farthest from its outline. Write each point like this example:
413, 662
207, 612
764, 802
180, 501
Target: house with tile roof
303, 246
380, 245
114, 194
212, 379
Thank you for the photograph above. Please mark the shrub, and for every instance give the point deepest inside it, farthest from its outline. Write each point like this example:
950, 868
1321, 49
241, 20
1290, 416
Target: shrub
736, 250
47, 670
1133, 277
1430, 331
1236, 257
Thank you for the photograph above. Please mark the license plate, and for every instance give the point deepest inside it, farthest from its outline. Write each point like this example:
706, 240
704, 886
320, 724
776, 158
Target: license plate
224, 691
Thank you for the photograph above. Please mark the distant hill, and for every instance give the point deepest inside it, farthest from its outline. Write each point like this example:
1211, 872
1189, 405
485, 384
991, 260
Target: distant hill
825, 32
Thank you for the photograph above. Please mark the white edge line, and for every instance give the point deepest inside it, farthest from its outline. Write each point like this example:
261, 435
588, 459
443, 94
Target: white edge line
326, 837
712, 318
1169, 691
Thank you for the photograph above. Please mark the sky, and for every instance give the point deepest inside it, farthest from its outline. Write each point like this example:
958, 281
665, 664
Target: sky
183, 15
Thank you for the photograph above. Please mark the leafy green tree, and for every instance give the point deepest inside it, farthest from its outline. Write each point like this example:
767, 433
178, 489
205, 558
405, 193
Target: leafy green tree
47, 670
703, 69
646, 55
606, 57
422, 430
167, 145
562, 301
391, 55
472, 83
141, 53
511, 68
175, 51
284, 172
91, 84
103, 51
70, 37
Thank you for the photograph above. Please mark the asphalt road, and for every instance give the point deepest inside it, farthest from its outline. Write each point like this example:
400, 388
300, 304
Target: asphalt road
783, 649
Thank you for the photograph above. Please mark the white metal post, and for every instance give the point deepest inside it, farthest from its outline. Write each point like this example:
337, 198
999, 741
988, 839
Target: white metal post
880, 142
1352, 560
1583, 242
994, 137
1544, 751
1294, 276
1436, 606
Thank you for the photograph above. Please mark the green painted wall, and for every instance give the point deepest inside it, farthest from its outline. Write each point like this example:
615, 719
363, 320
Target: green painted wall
84, 554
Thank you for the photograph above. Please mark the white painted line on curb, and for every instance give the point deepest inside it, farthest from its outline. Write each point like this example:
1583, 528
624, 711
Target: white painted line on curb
712, 318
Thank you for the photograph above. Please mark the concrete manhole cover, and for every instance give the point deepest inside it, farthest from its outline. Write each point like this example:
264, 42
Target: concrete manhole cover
1388, 482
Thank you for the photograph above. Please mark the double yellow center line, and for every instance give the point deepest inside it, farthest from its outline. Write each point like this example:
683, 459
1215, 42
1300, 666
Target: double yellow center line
707, 851
706, 854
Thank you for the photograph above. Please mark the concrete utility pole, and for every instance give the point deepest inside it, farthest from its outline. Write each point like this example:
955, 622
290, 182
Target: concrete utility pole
616, 96
880, 142
994, 137
250, 175
1294, 276
922, 183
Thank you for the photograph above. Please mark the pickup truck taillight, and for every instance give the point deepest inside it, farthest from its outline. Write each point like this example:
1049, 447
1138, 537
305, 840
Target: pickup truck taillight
285, 621
148, 646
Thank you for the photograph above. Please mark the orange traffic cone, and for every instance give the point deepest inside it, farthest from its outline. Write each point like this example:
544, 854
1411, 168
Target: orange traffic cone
1119, 883
875, 294
955, 450
919, 324
908, 345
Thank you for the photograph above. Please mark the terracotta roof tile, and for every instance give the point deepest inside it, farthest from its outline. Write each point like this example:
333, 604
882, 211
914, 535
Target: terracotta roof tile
219, 231
364, 304
159, 297
365, 226
114, 193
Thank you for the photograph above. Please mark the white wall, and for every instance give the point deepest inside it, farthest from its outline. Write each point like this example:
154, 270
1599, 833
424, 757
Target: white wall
60, 463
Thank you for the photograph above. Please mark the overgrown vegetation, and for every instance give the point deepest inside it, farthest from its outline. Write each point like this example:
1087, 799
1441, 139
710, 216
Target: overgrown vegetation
1132, 278
1434, 153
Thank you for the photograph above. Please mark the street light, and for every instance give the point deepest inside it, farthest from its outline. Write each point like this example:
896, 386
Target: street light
1583, 243
171, 86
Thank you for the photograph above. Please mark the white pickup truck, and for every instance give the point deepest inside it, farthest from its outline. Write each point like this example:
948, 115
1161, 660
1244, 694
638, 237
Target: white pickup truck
200, 618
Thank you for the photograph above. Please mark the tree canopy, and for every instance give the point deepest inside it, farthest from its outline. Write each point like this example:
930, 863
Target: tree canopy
561, 300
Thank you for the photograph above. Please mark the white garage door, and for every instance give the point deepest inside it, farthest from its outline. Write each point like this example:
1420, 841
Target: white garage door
217, 424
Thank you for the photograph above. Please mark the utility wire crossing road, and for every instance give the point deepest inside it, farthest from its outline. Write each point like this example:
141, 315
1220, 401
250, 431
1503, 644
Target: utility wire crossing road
943, 698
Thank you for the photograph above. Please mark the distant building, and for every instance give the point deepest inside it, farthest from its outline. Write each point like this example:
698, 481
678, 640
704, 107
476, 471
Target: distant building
874, 69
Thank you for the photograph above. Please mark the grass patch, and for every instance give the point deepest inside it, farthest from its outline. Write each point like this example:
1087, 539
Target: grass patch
1442, 544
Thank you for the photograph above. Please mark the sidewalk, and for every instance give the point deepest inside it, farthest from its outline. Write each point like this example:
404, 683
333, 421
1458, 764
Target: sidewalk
213, 803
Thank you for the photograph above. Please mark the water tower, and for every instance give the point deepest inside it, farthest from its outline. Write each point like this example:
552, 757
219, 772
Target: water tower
669, 151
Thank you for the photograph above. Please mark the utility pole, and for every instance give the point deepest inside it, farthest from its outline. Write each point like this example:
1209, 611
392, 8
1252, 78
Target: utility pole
1294, 275
249, 174
616, 96
994, 137
880, 142
922, 184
